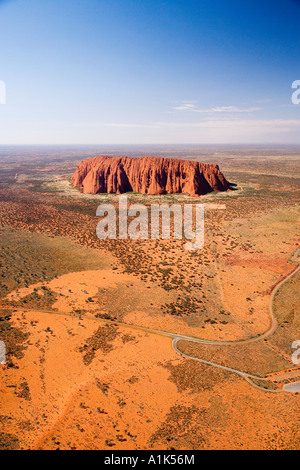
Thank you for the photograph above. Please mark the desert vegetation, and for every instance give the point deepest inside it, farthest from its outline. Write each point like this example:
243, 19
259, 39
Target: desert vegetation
71, 382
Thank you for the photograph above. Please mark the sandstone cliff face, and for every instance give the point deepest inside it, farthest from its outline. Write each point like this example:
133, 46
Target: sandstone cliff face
147, 175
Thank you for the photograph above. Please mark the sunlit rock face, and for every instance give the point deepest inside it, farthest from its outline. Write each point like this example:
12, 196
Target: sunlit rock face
147, 175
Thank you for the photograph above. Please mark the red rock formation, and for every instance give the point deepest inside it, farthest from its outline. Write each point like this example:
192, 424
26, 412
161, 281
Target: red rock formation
147, 175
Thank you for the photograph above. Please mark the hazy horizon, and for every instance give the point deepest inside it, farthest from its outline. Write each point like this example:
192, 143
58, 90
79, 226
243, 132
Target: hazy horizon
209, 153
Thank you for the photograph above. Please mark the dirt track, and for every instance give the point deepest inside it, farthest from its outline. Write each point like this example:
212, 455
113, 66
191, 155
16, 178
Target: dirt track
176, 337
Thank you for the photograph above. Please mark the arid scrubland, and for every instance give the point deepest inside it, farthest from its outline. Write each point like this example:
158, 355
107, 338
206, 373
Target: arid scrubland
72, 382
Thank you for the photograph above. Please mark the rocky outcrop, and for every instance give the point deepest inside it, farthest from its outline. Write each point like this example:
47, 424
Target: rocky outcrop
147, 175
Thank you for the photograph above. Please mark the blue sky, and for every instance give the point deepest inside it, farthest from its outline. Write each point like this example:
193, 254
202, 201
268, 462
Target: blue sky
137, 71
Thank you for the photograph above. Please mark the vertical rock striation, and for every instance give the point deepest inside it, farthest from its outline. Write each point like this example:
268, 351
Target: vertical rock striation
147, 175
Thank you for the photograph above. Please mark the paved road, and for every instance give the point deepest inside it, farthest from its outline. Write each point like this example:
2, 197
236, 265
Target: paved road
177, 337
292, 387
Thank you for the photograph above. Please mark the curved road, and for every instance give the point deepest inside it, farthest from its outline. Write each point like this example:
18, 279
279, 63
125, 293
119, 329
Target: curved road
272, 328
178, 337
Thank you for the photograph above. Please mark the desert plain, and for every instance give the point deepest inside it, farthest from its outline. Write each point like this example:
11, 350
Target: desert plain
88, 363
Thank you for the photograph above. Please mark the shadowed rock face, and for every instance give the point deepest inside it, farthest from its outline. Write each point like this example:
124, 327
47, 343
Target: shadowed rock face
147, 175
